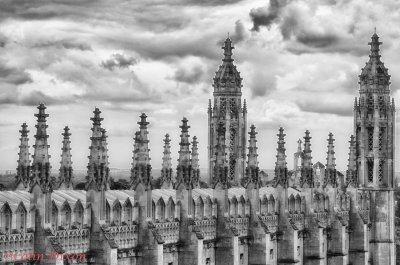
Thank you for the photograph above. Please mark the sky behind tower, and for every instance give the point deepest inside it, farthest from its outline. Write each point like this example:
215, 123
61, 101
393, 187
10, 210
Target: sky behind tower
299, 61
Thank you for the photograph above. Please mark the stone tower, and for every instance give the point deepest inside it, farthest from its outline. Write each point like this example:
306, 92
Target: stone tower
228, 111
374, 120
23, 168
65, 177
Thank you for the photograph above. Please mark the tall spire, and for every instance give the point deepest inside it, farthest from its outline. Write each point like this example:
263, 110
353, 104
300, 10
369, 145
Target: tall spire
141, 168
183, 171
306, 164
98, 170
166, 171
351, 173
194, 161
65, 177
41, 166
220, 174
280, 164
252, 169
330, 170
23, 168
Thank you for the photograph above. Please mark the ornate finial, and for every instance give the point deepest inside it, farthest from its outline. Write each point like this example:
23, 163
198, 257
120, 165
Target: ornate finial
280, 164
96, 118
375, 43
166, 170
306, 164
299, 142
65, 175
330, 171
228, 47
252, 155
351, 174
143, 122
23, 168
40, 164
184, 127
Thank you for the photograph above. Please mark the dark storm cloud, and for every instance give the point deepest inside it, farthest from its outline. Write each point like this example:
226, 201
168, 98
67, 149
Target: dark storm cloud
265, 16
11, 75
190, 76
240, 32
118, 60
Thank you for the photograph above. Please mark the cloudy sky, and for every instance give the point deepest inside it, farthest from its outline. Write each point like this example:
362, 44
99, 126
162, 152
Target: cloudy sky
299, 61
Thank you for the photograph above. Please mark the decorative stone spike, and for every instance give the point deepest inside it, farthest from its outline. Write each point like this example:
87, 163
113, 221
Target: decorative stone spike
141, 168
66, 176
98, 170
252, 169
281, 177
194, 161
23, 168
221, 166
184, 171
41, 166
351, 173
330, 170
306, 164
166, 171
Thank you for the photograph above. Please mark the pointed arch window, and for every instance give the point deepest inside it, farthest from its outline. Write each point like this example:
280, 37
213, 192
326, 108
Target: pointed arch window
21, 218
370, 170
117, 213
108, 213
78, 214
128, 212
54, 216
6, 218
66, 215
160, 210
370, 131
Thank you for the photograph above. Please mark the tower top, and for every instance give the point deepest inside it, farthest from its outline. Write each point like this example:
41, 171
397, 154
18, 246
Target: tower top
374, 71
227, 79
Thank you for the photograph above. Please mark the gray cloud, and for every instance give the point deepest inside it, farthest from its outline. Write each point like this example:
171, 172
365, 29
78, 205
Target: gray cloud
64, 43
118, 60
12, 75
324, 107
32, 98
265, 16
190, 76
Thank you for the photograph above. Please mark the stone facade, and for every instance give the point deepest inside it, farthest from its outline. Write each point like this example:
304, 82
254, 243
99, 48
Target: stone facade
310, 217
